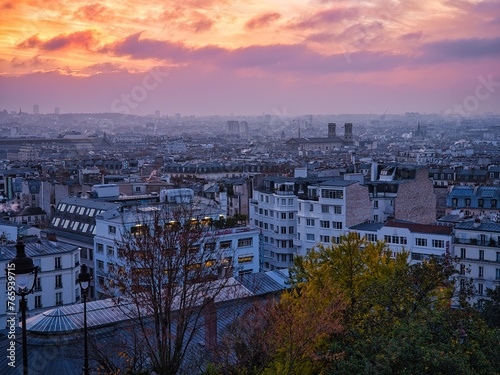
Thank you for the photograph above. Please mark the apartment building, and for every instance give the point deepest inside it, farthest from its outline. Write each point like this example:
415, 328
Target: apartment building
240, 245
56, 283
327, 209
477, 244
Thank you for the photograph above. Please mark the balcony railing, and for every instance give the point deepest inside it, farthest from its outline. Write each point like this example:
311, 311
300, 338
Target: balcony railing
474, 241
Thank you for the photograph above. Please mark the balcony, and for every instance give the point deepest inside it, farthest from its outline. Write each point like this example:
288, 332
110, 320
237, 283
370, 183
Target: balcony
474, 241
284, 192
297, 243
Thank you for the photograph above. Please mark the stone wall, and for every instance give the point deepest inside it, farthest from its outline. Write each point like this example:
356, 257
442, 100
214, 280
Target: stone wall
358, 205
416, 200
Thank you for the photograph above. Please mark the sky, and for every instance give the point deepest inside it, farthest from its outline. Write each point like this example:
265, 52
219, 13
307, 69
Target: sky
248, 57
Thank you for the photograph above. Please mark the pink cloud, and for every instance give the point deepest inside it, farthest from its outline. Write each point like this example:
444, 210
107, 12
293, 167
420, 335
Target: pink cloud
79, 39
94, 12
262, 20
325, 17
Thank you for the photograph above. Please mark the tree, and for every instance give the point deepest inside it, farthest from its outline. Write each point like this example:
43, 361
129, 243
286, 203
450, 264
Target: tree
491, 307
168, 272
398, 318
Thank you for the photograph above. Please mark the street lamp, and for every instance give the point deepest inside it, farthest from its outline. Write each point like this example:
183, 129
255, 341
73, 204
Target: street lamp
84, 278
23, 268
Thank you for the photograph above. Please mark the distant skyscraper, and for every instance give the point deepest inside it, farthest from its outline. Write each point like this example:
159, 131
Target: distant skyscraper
57, 110
36, 109
157, 113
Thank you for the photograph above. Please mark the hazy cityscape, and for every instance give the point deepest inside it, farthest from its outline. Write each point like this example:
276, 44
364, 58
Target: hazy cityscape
213, 187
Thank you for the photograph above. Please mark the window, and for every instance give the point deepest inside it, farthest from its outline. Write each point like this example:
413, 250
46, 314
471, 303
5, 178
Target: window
395, 239
463, 253
403, 241
266, 212
100, 265
481, 254
38, 284
337, 224
225, 244
324, 224
58, 280
438, 243
480, 271
480, 289
57, 263
138, 229
111, 268
38, 302
467, 202
480, 203
290, 201
59, 300
242, 242
387, 239
111, 229
310, 236
210, 246
324, 239
283, 230
493, 203
462, 269
100, 248
325, 209
245, 259
311, 207
310, 222
111, 251
371, 237
498, 256
332, 194
421, 241
375, 204
337, 210
497, 274
290, 215
290, 230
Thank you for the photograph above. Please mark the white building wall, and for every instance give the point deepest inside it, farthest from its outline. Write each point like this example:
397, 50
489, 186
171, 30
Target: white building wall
479, 251
46, 288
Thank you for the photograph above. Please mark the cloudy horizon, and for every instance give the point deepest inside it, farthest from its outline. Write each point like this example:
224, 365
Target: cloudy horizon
251, 57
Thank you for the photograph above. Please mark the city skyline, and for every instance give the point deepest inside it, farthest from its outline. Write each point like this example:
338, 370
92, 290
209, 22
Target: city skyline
250, 57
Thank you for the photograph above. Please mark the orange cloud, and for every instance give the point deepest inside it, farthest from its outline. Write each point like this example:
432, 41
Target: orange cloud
262, 20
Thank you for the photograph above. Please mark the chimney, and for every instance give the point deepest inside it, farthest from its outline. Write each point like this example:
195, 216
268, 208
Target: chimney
210, 316
331, 130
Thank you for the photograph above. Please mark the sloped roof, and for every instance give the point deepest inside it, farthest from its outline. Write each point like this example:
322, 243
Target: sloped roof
421, 228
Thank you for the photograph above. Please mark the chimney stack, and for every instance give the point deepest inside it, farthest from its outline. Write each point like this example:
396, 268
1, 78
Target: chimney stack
331, 130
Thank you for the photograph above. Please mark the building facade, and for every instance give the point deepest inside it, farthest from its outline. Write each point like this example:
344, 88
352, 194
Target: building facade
56, 283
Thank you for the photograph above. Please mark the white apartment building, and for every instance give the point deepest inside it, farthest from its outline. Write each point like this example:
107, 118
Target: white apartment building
421, 240
477, 244
327, 209
274, 209
296, 214
239, 245
56, 283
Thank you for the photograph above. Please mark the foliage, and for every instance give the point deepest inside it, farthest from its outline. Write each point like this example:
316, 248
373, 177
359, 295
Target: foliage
491, 307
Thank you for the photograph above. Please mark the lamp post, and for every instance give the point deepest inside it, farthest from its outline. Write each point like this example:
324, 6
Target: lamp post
23, 267
84, 278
